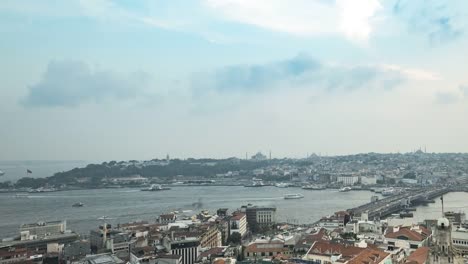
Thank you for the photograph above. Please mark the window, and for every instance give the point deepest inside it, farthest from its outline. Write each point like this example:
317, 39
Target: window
263, 254
413, 246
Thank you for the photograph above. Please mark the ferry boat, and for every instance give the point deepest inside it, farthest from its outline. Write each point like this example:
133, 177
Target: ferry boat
79, 204
42, 190
294, 196
313, 187
345, 189
21, 195
390, 191
155, 187
105, 217
256, 183
282, 185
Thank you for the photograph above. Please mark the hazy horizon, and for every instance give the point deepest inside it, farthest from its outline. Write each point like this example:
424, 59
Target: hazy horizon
122, 80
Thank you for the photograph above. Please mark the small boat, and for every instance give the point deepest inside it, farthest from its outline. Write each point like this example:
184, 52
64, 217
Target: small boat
345, 189
282, 185
256, 183
294, 196
406, 214
105, 217
79, 204
155, 187
2, 173
313, 187
21, 195
389, 191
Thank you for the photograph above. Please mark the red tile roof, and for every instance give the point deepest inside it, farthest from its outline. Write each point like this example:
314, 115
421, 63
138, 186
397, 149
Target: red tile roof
266, 247
412, 235
237, 216
369, 256
325, 248
419, 256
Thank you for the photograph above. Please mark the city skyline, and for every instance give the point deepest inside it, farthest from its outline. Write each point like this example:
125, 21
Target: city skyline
122, 80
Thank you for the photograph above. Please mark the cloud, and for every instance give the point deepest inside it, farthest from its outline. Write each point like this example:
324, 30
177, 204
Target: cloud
71, 83
464, 90
304, 71
446, 98
439, 20
351, 18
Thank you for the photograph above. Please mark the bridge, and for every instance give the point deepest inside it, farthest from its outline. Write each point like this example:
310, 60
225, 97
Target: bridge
393, 204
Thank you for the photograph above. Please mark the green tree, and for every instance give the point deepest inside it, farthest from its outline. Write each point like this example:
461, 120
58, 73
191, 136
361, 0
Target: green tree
235, 238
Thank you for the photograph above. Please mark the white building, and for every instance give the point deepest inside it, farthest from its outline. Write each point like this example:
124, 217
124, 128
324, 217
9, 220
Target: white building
348, 180
238, 223
368, 180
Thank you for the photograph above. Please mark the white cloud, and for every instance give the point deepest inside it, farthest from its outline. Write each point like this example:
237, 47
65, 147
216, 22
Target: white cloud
350, 18
413, 73
356, 17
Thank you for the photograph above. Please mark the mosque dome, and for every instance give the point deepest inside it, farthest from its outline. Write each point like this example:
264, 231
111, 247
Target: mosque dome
443, 222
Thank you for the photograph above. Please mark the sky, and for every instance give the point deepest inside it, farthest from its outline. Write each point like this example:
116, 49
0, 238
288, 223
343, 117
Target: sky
139, 79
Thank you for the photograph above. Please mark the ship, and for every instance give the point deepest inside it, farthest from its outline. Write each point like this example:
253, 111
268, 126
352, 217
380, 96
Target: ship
155, 187
105, 217
21, 195
79, 204
345, 189
390, 191
42, 190
282, 185
293, 196
313, 187
256, 183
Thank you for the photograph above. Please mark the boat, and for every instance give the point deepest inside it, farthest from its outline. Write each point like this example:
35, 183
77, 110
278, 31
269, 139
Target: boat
42, 190
389, 192
294, 196
79, 204
105, 217
256, 183
404, 214
313, 187
282, 185
155, 187
345, 189
2, 173
21, 195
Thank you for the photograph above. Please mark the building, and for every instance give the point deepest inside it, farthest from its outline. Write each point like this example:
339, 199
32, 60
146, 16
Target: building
261, 250
409, 238
455, 218
238, 224
442, 249
419, 256
325, 252
76, 250
186, 247
210, 235
166, 218
460, 240
259, 217
348, 180
374, 256
42, 229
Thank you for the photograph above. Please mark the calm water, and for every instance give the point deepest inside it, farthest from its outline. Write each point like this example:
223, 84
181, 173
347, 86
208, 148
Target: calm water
132, 204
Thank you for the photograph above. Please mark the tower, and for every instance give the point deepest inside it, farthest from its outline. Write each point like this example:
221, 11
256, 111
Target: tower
442, 250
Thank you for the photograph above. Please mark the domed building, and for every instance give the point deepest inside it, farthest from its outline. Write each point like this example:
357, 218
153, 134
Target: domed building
442, 250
